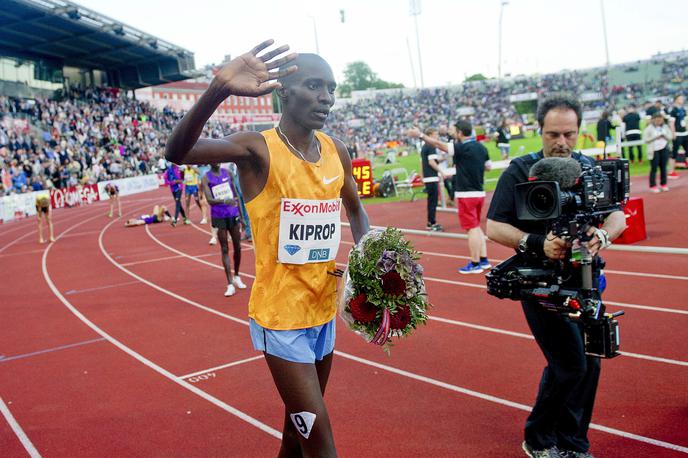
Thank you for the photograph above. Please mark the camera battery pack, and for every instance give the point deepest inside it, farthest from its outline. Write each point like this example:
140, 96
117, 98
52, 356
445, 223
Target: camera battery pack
602, 337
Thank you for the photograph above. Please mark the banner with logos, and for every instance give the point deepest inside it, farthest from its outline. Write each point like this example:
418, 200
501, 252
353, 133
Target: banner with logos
74, 196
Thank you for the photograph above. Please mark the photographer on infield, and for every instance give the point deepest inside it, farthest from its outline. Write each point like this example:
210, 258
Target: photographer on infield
558, 424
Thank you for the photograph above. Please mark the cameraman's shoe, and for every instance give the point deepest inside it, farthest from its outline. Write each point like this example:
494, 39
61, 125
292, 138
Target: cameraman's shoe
471, 268
552, 452
574, 454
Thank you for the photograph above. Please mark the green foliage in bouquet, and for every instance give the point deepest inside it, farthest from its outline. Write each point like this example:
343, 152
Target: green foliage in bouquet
384, 274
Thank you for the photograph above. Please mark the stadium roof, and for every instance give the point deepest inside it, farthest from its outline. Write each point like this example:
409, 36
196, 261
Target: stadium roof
68, 34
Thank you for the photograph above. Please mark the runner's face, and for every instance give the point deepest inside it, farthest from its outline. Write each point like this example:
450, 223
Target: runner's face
311, 94
559, 132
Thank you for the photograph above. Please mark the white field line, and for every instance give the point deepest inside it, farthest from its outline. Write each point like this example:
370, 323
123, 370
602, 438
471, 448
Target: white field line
618, 304
506, 402
21, 435
440, 319
68, 218
487, 397
165, 373
606, 271
224, 366
522, 335
165, 258
631, 248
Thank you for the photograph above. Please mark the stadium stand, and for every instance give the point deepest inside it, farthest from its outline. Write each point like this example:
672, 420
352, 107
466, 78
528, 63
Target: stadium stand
68, 119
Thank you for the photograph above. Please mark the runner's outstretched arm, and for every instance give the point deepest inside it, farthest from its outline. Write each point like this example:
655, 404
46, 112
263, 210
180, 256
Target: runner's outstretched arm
247, 75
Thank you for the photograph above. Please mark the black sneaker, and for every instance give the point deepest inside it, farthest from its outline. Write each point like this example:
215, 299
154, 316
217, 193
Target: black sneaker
552, 452
574, 454
435, 227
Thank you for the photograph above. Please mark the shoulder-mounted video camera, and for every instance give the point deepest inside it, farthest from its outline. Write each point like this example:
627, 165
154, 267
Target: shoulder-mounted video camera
569, 199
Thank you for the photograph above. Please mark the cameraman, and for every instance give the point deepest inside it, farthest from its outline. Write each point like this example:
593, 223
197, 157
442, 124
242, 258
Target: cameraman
558, 424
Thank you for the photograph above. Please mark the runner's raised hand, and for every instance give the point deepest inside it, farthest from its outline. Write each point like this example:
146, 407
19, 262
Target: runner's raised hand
252, 75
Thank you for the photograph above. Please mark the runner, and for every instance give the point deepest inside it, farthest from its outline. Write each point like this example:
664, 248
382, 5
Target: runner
174, 178
159, 215
113, 192
294, 180
191, 180
44, 214
225, 216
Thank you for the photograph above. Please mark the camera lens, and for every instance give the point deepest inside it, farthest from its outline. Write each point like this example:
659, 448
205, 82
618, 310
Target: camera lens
541, 202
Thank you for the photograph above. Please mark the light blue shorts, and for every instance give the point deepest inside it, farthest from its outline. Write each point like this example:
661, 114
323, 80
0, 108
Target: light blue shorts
297, 345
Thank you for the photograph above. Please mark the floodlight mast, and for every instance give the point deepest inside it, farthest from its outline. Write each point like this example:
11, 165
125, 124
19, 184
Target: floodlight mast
499, 53
415, 12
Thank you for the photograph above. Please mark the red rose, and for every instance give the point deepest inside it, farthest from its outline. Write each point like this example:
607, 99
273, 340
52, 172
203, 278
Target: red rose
393, 284
362, 310
401, 318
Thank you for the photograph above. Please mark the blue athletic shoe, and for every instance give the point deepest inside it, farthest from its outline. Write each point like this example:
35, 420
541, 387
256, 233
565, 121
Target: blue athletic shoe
471, 268
485, 265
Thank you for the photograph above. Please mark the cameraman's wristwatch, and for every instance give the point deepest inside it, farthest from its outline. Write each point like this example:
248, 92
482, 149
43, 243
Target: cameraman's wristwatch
523, 244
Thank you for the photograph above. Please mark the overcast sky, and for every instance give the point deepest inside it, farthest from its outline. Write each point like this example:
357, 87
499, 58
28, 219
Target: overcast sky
457, 37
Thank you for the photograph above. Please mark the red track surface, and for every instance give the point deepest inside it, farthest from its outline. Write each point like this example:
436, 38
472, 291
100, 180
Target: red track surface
103, 332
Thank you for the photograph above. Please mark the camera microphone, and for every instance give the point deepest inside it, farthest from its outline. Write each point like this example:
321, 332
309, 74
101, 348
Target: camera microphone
564, 171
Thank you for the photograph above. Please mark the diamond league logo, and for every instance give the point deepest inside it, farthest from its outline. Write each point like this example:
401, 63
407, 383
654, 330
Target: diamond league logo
292, 249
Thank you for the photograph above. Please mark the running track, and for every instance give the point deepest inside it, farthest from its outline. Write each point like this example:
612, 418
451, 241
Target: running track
118, 342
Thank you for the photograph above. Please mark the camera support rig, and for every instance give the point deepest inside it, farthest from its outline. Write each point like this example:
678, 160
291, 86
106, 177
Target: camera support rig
569, 287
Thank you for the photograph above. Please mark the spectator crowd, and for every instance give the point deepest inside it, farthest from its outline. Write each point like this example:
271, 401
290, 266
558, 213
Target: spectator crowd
95, 134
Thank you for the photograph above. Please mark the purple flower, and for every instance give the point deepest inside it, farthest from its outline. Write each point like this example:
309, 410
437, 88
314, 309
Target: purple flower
387, 261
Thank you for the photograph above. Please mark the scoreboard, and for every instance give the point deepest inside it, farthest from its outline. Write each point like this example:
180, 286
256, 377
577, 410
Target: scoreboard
363, 174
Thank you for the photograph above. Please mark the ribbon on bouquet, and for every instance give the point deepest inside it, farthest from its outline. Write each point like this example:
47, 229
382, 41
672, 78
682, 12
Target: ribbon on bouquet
382, 334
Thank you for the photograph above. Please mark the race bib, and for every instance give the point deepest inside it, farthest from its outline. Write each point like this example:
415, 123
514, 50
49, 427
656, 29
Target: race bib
222, 191
309, 231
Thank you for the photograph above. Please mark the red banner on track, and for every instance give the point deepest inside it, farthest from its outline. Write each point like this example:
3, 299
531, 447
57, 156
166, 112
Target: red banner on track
74, 196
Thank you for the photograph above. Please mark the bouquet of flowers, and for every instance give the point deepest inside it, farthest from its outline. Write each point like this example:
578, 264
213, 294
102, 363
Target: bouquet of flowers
384, 293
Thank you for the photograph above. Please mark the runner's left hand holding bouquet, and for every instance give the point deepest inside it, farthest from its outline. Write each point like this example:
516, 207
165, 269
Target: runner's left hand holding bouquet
383, 295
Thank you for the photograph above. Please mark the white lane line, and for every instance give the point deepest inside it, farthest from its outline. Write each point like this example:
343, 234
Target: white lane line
165, 258
506, 402
631, 248
521, 335
21, 435
98, 288
193, 258
444, 320
614, 303
165, 373
246, 246
445, 385
21, 253
67, 218
224, 366
606, 271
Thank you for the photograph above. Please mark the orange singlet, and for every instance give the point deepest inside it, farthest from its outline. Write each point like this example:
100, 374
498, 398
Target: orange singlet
295, 226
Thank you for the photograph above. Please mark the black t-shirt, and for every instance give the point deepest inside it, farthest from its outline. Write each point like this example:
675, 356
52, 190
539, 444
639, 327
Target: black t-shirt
604, 129
503, 135
632, 121
679, 115
503, 205
428, 152
469, 159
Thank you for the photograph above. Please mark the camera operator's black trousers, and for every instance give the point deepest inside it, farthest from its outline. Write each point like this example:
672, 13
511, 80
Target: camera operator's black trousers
566, 396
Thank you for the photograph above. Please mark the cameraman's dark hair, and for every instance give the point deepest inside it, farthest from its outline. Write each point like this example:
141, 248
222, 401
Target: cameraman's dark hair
552, 102
464, 126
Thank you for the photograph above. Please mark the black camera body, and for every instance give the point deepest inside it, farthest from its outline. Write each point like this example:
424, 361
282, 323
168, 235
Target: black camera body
570, 286
597, 192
